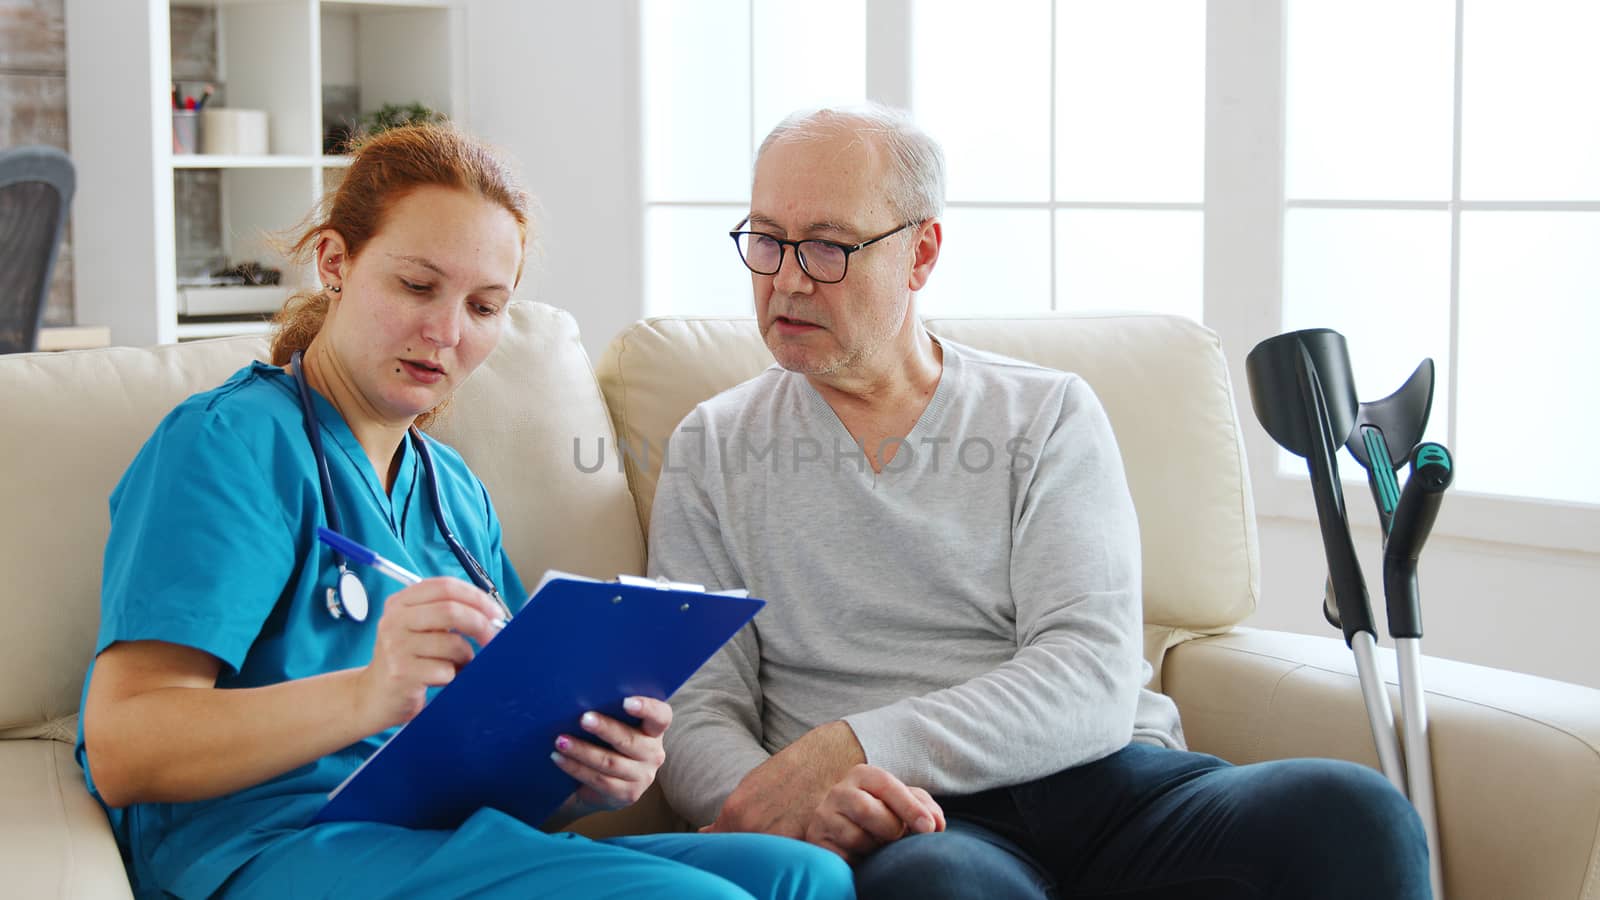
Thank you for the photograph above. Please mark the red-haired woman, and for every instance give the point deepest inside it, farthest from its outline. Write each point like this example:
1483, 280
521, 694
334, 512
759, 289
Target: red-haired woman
227, 698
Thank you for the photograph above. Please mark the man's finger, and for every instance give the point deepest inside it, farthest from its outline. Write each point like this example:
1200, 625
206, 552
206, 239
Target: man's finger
938, 811
868, 816
835, 830
835, 849
901, 801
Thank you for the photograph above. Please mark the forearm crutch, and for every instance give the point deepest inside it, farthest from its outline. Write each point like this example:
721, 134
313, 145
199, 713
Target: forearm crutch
1431, 474
1304, 396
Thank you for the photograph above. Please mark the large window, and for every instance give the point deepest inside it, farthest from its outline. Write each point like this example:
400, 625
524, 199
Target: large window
1074, 133
718, 74
1423, 176
1443, 199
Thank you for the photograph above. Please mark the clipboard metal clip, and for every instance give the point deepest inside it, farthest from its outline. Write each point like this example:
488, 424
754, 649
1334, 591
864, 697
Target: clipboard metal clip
659, 583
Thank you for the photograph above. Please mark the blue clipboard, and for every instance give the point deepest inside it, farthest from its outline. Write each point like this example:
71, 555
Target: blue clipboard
485, 739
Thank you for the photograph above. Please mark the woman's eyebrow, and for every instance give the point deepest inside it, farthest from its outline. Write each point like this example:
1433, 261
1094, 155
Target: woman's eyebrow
423, 262
431, 266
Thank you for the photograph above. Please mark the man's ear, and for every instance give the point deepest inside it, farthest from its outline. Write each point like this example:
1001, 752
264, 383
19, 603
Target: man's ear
925, 253
331, 257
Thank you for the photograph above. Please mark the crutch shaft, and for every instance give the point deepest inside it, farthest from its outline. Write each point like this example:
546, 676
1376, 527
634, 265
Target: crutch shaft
1419, 756
1380, 715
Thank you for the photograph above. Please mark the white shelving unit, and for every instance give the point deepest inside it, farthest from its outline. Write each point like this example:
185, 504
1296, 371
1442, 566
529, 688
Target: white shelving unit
274, 55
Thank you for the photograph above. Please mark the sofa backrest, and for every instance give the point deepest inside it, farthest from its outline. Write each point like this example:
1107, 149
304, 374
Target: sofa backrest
73, 422
1165, 386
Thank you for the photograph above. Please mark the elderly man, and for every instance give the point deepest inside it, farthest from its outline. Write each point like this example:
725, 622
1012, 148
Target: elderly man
946, 688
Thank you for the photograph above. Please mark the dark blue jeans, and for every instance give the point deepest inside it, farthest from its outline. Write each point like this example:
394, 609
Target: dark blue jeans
1147, 823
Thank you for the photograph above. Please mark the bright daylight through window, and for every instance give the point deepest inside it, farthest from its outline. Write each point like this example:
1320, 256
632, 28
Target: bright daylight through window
1074, 133
1441, 185
1443, 199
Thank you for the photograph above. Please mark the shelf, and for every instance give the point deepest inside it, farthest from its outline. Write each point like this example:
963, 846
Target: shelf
364, 5
259, 161
305, 63
193, 331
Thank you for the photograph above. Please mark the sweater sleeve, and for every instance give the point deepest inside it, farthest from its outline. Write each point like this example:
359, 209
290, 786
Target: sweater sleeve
715, 738
1069, 694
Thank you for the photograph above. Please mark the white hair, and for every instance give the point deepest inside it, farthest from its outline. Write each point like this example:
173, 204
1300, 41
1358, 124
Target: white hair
916, 162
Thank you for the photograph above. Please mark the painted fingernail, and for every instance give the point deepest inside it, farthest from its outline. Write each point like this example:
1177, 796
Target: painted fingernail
557, 758
633, 704
563, 742
589, 720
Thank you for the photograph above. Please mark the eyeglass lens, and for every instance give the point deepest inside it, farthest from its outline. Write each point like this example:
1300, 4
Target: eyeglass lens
821, 260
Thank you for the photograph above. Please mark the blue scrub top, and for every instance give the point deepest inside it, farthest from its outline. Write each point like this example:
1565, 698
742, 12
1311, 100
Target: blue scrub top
213, 546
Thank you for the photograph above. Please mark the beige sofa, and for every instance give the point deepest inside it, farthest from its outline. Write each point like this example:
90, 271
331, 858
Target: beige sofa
1517, 758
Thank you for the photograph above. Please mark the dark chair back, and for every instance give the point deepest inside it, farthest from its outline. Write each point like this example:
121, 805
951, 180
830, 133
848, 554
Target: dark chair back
36, 186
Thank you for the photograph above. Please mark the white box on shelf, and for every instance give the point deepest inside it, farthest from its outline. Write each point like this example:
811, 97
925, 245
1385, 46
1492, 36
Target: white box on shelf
230, 300
233, 132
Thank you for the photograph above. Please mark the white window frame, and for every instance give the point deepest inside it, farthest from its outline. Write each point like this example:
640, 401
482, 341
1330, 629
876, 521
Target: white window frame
889, 80
1246, 205
1243, 210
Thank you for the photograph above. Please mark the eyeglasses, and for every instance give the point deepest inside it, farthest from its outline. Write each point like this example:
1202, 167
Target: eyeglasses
824, 262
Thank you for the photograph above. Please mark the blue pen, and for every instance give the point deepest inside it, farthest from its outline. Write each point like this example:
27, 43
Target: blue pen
357, 553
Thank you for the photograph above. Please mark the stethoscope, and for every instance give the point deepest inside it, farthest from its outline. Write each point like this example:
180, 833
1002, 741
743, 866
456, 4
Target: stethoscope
349, 597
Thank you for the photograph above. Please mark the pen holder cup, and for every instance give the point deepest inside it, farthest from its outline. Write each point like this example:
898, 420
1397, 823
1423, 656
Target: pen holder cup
234, 132
185, 131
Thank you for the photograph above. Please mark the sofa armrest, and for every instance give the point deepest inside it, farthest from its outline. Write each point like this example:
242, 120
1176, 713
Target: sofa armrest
1516, 758
54, 838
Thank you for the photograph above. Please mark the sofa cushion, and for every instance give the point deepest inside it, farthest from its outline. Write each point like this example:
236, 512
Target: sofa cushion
54, 840
1163, 380
1516, 758
75, 421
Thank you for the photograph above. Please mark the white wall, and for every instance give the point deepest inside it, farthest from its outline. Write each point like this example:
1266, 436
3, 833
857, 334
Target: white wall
557, 85
1511, 607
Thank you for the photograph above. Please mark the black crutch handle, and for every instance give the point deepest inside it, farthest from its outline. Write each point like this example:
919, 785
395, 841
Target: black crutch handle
1431, 474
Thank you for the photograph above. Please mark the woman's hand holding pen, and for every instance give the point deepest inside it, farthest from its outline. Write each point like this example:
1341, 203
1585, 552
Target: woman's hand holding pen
421, 643
616, 777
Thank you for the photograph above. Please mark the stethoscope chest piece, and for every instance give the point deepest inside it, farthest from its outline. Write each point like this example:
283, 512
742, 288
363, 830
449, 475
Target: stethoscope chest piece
349, 599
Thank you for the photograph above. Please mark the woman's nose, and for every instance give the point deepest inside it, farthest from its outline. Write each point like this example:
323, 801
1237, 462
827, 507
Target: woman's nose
442, 326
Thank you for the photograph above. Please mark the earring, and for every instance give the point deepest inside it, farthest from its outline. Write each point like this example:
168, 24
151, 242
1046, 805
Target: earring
333, 287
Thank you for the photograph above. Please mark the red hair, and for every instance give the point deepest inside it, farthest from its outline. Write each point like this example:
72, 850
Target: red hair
384, 168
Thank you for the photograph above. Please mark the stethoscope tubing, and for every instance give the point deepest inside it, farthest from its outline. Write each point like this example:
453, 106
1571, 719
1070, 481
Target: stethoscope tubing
330, 506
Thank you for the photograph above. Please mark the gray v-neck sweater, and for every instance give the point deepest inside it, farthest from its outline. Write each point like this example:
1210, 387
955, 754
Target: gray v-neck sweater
972, 612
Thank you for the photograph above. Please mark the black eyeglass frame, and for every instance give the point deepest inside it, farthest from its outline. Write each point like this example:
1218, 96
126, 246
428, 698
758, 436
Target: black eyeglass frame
799, 256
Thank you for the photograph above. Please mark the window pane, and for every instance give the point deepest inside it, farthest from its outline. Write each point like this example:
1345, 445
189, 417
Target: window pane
981, 87
696, 99
1382, 279
691, 265
1370, 99
807, 54
993, 261
1529, 126
1530, 310
1130, 100
1143, 260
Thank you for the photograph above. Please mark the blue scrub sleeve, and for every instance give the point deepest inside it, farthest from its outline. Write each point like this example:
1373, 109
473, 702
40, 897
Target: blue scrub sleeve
200, 548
